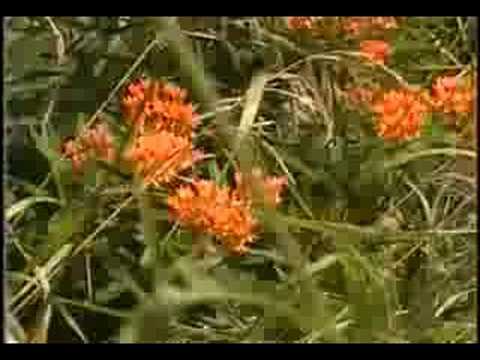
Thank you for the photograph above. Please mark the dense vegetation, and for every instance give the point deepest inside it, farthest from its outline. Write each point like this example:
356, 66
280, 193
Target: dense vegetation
221, 179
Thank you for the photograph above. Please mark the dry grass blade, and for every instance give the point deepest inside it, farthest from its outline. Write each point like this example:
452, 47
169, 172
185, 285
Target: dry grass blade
385, 68
14, 331
49, 266
298, 63
429, 215
451, 301
38, 334
253, 99
60, 41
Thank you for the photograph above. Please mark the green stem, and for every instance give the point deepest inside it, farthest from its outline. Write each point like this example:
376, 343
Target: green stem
453, 152
91, 307
148, 225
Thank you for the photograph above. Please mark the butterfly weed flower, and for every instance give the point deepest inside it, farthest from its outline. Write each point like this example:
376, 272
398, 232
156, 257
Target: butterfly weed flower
98, 140
353, 25
450, 96
399, 114
454, 97
72, 150
132, 100
270, 187
384, 22
160, 156
300, 22
205, 207
157, 106
376, 51
94, 142
356, 26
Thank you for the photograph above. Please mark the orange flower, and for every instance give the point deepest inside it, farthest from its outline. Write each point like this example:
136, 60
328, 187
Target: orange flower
450, 97
271, 186
99, 140
133, 99
93, 142
206, 207
224, 212
153, 105
158, 157
400, 114
300, 22
357, 25
72, 151
375, 50
353, 25
384, 22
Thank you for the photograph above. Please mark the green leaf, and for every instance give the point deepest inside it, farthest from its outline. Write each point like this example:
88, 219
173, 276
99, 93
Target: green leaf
434, 129
213, 170
71, 322
332, 228
64, 224
24, 204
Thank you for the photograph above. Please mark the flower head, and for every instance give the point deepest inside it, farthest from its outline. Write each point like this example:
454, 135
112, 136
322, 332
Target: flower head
98, 140
358, 25
399, 114
73, 151
376, 51
384, 22
452, 97
154, 105
224, 212
270, 186
158, 157
205, 207
95, 141
300, 22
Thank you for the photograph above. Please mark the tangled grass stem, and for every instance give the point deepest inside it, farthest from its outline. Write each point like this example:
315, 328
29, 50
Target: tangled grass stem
406, 158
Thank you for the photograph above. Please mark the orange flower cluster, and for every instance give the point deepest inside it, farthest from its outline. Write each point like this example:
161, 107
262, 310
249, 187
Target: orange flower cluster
163, 124
376, 51
300, 22
400, 114
156, 106
224, 213
270, 186
358, 25
451, 97
205, 207
159, 156
93, 142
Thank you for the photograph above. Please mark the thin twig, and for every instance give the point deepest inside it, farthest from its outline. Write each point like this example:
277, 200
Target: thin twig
122, 81
102, 226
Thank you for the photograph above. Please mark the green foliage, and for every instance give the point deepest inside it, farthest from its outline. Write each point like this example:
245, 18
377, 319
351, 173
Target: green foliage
373, 241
